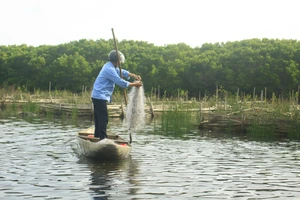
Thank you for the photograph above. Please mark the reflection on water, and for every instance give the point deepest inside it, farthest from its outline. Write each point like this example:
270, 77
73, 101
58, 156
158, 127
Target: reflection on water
103, 181
38, 162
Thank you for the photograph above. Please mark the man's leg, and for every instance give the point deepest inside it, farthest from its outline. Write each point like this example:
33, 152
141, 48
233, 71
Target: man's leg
96, 131
100, 117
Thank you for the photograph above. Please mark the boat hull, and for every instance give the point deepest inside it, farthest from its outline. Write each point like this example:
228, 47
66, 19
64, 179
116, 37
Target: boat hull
111, 148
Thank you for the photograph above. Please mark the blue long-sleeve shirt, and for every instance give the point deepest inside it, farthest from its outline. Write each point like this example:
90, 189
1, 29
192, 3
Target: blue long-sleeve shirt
105, 82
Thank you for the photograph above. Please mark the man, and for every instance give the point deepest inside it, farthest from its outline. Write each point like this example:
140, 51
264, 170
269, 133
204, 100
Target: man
103, 89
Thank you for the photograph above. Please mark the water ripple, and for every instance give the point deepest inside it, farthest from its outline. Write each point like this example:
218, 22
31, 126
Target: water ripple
38, 162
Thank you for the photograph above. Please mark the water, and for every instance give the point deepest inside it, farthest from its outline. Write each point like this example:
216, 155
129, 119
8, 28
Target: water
38, 162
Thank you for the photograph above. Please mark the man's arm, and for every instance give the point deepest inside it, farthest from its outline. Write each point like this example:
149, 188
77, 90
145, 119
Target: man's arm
136, 77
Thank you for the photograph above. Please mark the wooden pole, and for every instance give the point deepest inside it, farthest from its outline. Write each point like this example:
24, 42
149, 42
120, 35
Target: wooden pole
298, 94
158, 91
119, 64
217, 92
49, 86
199, 96
237, 95
265, 94
293, 96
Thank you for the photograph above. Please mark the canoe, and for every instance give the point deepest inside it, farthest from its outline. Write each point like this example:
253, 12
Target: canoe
111, 148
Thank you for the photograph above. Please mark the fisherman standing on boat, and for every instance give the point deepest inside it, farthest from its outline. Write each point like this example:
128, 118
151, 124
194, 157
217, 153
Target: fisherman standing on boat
103, 89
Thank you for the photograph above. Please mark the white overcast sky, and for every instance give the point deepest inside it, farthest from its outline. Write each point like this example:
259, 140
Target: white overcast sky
193, 22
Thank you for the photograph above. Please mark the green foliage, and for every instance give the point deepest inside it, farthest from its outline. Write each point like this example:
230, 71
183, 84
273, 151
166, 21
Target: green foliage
177, 123
30, 107
235, 65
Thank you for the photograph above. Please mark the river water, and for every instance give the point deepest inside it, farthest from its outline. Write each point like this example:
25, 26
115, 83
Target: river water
38, 161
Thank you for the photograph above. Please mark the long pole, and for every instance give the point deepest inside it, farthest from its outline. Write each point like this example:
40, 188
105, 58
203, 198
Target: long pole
121, 75
119, 64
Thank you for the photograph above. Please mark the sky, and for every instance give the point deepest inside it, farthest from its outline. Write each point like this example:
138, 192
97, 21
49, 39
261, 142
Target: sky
161, 22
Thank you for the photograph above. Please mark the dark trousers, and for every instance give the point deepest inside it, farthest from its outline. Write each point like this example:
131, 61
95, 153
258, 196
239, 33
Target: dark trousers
100, 118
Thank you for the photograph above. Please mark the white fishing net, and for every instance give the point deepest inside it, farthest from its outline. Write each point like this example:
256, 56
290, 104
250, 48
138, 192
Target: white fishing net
135, 110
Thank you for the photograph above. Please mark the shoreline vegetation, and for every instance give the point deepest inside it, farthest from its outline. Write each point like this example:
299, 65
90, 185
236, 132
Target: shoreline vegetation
241, 114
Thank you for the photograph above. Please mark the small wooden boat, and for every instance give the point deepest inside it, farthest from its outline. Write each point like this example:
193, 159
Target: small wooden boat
111, 148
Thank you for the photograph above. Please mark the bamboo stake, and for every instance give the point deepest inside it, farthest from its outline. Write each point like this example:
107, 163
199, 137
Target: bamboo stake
265, 94
158, 90
217, 94
237, 95
254, 94
119, 64
49, 86
298, 100
293, 97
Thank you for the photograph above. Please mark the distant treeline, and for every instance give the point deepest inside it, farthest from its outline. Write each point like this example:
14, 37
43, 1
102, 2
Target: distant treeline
240, 65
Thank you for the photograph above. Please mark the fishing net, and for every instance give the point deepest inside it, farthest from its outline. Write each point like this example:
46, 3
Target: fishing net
135, 110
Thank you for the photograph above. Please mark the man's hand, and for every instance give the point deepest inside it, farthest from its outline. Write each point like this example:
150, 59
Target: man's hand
136, 84
136, 77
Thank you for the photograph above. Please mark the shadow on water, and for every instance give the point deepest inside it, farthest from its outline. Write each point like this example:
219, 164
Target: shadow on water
242, 137
103, 176
173, 126
61, 120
